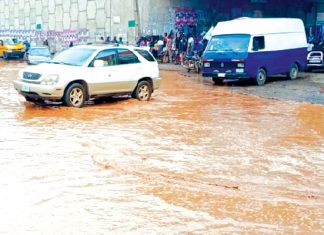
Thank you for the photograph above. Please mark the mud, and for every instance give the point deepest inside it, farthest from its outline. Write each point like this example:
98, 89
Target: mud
196, 159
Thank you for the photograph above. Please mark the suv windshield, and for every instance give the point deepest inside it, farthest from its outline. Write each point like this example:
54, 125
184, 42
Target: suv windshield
75, 56
39, 52
232, 42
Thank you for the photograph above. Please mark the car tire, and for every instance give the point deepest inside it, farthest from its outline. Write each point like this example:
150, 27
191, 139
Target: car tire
5, 56
261, 77
293, 72
217, 81
143, 91
74, 96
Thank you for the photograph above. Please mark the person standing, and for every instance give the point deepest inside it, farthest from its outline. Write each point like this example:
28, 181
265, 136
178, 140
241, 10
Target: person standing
45, 43
120, 42
101, 40
165, 39
169, 47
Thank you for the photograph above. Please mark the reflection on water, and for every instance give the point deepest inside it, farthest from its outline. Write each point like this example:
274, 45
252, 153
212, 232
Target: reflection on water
195, 159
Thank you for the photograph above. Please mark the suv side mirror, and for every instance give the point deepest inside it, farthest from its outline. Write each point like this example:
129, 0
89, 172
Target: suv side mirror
99, 63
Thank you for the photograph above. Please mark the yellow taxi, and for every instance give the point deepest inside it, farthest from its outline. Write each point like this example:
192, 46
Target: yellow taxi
10, 48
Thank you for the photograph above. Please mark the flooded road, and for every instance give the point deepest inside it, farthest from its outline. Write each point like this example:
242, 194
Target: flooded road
196, 159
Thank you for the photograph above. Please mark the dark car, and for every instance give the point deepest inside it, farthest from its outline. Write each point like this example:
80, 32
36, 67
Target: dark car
315, 58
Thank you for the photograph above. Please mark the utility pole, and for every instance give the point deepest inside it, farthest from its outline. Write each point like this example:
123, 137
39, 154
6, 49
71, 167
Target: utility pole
138, 19
111, 20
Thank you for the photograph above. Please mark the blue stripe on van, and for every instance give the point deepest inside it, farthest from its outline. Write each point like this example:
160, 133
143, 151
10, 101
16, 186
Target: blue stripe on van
274, 62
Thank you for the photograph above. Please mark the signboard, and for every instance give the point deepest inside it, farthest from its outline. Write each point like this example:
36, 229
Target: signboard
131, 23
38, 26
116, 19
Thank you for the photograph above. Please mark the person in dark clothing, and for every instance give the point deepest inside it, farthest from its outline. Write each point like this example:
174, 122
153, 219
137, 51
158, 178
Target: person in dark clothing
27, 45
45, 43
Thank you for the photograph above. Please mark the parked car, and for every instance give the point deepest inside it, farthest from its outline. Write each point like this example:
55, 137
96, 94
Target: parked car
11, 48
84, 72
248, 48
315, 58
37, 55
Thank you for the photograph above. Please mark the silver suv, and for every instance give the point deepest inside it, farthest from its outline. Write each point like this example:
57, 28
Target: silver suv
84, 72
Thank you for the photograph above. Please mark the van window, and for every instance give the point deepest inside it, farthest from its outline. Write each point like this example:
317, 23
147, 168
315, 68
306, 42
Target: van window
258, 43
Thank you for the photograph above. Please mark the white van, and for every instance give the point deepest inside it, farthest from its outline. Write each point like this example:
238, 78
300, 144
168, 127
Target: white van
255, 48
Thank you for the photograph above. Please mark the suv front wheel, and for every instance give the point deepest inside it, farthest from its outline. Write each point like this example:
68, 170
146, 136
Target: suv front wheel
143, 91
74, 96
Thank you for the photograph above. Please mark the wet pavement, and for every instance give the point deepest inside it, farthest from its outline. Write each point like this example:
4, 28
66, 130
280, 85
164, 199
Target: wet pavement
196, 159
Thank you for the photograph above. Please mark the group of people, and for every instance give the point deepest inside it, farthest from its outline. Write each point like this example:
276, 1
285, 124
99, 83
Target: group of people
113, 41
174, 47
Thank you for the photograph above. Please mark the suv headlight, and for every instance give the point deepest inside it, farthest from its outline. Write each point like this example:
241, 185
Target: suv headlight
51, 79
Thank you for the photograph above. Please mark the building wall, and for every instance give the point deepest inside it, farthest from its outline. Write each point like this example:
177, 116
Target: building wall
94, 18
86, 20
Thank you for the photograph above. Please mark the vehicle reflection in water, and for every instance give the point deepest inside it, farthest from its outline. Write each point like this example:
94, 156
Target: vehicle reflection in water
195, 159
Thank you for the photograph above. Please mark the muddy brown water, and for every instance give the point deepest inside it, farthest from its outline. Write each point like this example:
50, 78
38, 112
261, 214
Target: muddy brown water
196, 159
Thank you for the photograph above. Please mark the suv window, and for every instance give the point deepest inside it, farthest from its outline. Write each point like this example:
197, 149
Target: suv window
258, 43
146, 55
108, 56
127, 57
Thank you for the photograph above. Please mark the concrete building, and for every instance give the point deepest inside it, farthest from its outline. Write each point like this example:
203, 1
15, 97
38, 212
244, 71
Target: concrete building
83, 21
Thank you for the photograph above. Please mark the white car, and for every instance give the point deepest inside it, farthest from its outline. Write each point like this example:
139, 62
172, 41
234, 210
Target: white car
38, 55
84, 72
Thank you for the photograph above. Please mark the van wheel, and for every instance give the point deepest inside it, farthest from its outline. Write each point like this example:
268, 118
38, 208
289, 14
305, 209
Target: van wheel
261, 77
143, 91
74, 96
293, 73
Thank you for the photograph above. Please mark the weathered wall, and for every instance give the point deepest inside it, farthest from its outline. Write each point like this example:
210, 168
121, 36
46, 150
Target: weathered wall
58, 17
85, 21
94, 18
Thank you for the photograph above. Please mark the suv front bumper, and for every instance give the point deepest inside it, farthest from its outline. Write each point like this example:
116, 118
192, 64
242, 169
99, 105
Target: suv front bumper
46, 92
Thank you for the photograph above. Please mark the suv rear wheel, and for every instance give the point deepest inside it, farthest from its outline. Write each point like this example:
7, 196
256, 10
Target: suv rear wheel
74, 96
143, 91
